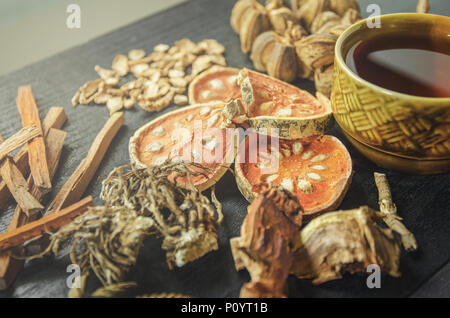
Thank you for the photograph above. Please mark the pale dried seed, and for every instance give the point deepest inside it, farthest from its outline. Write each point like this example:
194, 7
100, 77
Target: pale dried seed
128, 103
161, 160
76, 98
266, 106
200, 64
286, 153
314, 176
297, 148
288, 184
213, 120
178, 82
307, 155
164, 88
176, 73
205, 111
232, 80
211, 46
319, 158
272, 178
104, 73
263, 94
319, 167
151, 92
161, 48
305, 186
218, 59
102, 99
154, 147
208, 94
159, 131
136, 54
120, 65
285, 112
114, 104
210, 143
216, 84
139, 69
112, 81
180, 100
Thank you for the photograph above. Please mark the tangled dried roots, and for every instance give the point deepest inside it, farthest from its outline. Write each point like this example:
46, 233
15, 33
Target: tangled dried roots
184, 217
106, 240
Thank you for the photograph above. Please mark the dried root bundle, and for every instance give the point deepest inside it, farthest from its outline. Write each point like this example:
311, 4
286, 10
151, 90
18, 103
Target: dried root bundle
106, 240
184, 217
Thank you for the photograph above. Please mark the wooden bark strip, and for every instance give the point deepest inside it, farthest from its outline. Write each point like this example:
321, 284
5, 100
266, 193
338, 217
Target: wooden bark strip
18, 187
55, 118
389, 210
47, 224
18, 139
36, 148
10, 267
74, 188
423, 6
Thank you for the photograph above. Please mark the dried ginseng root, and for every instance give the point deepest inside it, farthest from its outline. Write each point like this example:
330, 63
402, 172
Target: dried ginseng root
216, 84
318, 169
194, 134
184, 217
267, 239
345, 241
273, 104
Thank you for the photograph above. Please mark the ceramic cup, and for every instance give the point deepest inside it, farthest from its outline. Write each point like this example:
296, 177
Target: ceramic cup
397, 131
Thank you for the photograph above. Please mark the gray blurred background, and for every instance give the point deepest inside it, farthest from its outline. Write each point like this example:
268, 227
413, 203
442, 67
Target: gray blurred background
31, 30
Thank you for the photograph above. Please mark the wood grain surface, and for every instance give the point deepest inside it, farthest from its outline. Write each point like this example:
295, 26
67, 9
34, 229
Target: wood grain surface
423, 201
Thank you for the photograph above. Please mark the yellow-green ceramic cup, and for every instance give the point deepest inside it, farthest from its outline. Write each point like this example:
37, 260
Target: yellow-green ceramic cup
397, 131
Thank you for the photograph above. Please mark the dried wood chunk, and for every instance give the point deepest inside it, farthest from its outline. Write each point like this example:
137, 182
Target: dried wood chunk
265, 247
344, 241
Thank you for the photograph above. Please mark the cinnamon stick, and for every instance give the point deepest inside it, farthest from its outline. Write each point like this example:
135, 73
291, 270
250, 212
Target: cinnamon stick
55, 118
18, 139
74, 188
10, 267
47, 224
37, 158
18, 187
423, 6
389, 211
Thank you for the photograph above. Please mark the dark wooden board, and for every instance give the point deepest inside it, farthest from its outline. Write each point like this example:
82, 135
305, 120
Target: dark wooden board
423, 201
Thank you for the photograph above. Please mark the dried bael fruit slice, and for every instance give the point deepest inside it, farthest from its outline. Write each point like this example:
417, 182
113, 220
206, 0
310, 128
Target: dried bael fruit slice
216, 84
272, 103
316, 169
194, 134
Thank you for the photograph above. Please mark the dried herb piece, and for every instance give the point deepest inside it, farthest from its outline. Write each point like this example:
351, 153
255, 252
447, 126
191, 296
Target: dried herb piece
10, 267
423, 6
18, 139
18, 187
267, 240
389, 210
344, 241
74, 188
106, 240
55, 118
184, 217
37, 158
47, 224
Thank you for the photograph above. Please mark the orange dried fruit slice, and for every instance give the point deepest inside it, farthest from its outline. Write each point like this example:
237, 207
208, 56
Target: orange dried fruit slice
317, 169
272, 103
216, 84
194, 134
